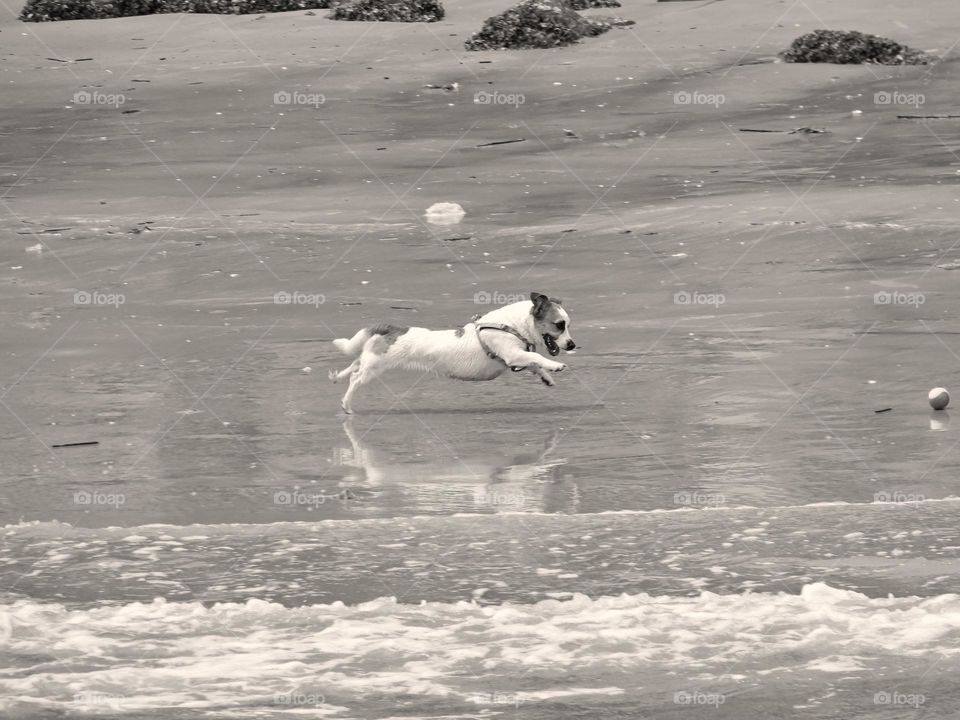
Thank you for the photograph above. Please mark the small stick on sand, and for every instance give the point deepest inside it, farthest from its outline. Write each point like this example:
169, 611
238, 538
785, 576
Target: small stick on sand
501, 142
78, 444
927, 117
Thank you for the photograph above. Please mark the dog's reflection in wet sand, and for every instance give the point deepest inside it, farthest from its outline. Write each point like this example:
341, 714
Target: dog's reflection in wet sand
495, 481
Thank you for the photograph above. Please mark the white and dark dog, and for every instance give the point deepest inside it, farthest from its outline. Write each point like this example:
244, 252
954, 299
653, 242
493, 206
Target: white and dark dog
503, 339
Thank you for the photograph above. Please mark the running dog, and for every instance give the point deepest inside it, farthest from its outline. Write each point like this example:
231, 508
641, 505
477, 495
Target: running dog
503, 339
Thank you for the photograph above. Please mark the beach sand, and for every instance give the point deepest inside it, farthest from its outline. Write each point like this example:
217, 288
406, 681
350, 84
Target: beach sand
201, 206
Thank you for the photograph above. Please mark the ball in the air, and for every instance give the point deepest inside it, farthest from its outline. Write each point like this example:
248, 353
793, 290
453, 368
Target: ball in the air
939, 398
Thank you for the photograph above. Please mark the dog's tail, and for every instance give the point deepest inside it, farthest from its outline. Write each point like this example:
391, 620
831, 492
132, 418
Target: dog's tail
354, 345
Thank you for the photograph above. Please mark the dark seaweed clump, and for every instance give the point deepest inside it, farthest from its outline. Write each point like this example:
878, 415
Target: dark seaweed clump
849, 47
390, 11
587, 4
50, 10
535, 24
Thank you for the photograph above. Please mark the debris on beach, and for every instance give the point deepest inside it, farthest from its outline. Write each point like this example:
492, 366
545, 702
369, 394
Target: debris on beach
390, 11
445, 213
849, 47
501, 142
927, 117
794, 131
534, 24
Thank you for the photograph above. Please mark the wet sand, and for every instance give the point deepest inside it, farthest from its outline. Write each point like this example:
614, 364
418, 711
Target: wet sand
185, 218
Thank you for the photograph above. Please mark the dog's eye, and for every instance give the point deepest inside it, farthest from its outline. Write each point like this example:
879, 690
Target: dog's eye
562, 325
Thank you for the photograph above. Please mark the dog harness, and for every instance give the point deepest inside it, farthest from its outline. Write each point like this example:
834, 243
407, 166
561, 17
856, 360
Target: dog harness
528, 346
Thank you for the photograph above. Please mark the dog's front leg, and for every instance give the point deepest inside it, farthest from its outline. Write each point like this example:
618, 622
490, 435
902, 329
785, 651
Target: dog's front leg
521, 358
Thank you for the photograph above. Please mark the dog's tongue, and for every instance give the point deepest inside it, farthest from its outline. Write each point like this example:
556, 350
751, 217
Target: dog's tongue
551, 344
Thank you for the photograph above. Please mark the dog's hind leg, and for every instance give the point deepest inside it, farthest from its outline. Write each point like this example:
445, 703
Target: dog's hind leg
338, 376
370, 365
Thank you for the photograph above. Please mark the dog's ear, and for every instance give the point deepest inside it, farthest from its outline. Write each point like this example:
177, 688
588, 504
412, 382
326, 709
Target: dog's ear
540, 303
555, 301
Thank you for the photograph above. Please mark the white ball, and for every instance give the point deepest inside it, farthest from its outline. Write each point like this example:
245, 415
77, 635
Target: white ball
939, 398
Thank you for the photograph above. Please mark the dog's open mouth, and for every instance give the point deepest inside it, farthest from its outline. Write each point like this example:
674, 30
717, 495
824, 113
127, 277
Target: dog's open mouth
551, 344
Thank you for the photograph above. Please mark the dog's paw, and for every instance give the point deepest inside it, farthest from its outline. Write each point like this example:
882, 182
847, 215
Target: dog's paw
547, 380
332, 374
557, 367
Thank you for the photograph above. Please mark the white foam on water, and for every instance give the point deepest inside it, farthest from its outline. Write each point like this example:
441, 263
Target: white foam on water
53, 525
231, 656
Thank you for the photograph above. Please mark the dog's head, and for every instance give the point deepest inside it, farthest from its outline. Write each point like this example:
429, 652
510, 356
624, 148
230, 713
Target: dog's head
552, 323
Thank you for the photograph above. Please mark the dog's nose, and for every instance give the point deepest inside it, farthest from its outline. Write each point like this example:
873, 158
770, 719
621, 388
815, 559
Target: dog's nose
571, 345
